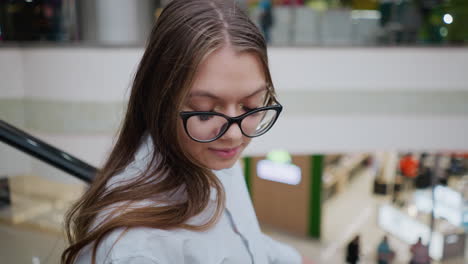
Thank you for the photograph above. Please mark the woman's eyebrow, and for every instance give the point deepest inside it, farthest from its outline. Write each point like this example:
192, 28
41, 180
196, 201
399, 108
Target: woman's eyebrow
204, 94
210, 95
259, 90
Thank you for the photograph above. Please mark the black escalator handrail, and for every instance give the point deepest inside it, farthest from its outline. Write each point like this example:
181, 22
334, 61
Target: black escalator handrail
55, 157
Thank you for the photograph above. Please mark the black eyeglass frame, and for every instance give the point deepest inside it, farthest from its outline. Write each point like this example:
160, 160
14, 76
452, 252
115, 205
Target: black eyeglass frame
185, 115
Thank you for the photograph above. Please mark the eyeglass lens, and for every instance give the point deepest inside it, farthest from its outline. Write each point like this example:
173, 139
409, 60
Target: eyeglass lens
207, 127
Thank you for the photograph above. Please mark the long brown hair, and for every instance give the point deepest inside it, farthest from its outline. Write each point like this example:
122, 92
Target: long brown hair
186, 32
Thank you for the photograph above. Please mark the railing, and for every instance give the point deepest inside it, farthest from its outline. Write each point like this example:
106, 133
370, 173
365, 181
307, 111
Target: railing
39, 149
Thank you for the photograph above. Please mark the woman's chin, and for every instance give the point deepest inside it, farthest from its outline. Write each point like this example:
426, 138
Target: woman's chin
221, 165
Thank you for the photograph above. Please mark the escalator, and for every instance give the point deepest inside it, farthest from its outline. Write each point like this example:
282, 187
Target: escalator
32, 206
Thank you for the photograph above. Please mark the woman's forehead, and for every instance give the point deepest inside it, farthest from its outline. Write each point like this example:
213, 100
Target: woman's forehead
227, 73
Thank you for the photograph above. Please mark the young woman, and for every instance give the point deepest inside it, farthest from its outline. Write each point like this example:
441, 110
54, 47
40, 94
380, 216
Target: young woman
171, 190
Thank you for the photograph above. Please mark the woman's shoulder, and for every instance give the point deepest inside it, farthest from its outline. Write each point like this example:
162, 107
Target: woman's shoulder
138, 244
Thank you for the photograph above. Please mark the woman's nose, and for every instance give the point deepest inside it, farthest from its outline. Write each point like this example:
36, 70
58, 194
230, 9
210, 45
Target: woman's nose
234, 131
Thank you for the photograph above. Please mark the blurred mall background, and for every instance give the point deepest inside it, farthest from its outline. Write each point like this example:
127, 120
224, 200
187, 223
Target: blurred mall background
373, 140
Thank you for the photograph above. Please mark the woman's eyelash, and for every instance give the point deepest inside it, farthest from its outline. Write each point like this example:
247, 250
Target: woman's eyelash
248, 108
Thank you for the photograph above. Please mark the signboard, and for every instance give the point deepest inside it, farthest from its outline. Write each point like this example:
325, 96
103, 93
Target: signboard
279, 172
448, 204
278, 168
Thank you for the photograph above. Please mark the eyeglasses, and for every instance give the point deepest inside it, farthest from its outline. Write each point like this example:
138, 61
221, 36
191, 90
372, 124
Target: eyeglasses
206, 127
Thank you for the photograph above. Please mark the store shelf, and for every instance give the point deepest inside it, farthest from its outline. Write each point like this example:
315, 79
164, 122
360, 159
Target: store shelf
338, 171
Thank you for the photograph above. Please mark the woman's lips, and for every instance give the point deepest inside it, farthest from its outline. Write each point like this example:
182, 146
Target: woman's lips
225, 153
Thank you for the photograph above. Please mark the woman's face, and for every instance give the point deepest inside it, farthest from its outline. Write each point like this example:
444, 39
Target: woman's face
230, 83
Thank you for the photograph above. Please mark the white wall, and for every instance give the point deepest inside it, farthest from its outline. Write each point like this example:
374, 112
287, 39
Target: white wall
11, 73
86, 74
12, 87
370, 68
104, 74
79, 74
322, 134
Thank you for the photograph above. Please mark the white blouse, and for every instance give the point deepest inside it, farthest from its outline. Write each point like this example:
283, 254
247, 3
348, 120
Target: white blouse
235, 238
